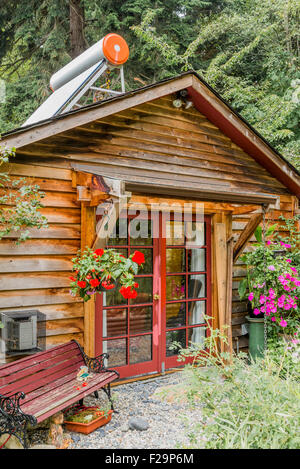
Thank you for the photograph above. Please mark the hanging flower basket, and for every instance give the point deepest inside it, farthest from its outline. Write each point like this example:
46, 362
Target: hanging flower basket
104, 270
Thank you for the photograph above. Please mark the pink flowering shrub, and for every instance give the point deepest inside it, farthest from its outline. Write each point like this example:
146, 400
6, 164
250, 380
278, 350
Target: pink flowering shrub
272, 285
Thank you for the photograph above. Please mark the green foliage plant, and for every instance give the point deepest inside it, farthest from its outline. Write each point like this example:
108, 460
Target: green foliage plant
272, 285
20, 204
242, 405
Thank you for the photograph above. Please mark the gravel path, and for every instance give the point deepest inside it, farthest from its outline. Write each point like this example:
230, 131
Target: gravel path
166, 421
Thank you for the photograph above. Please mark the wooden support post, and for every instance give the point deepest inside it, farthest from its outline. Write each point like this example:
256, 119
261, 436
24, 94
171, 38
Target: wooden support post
246, 234
228, 308
221, 274
88, 227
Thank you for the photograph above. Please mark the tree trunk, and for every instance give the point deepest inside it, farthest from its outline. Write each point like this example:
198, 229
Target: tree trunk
78, 43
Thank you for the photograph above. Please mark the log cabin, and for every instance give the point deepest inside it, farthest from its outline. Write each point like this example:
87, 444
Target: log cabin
142, 153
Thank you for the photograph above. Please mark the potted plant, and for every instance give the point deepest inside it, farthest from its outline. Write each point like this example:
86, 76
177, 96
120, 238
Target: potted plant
101, 270
86, 419
272, 288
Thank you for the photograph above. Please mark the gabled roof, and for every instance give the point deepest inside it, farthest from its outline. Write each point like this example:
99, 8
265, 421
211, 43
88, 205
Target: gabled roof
204, 98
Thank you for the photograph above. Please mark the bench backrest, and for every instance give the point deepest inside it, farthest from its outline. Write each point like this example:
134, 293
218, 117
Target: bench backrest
42, 369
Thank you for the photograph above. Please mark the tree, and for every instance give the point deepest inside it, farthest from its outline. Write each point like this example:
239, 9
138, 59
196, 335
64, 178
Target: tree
248, 50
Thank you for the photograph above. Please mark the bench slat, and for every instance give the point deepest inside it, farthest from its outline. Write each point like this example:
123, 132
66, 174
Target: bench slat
32, 382
39, 393
62, 391
27, 362
65, 396
69, 356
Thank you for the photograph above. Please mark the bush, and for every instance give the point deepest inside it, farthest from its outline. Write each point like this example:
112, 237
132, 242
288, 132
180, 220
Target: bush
243, 405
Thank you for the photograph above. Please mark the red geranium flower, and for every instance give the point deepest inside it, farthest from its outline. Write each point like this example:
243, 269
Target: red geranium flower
72, 278
107, 285
128, 292
136, 285
138, 257
94, 282
81, 283
99, 252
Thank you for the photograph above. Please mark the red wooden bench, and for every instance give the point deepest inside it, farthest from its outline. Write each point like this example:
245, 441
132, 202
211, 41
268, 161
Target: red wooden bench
37, 387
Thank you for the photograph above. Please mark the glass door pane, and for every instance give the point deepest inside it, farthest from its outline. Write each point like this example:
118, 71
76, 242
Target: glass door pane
186, 271
127, 325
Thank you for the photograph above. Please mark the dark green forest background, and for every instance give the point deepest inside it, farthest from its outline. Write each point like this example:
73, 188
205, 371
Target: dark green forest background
247, 50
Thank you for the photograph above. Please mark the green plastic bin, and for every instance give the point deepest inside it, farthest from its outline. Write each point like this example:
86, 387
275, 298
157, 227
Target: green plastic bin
256, 337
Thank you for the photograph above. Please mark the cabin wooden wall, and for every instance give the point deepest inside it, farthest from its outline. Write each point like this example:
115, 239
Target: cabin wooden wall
156, 143
150, 143
35, 274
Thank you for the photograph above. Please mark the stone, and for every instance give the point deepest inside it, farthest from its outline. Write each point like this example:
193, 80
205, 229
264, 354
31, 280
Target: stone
58, 418
138, 423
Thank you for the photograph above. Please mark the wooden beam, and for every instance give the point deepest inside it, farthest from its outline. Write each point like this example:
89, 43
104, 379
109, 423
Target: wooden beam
246, 234
228, 308
207, 194
88, 226
108, 221
95, 189
220, 248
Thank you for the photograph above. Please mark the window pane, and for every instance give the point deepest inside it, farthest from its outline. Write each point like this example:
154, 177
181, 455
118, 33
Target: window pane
174, 233
114, 322
175, 260
144, 292
119, 236
140, 319
117, 350
175, 314
140, 232
175, 286
113, 298
196, 335
175, 336
195, 233
140, 349
196, 260
196, 309
197, 286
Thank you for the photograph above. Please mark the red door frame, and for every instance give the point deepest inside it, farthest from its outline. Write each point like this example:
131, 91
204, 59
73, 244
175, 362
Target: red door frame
149, 366
158, 305
171, 362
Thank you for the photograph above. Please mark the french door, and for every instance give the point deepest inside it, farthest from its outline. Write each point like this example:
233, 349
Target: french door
143, 335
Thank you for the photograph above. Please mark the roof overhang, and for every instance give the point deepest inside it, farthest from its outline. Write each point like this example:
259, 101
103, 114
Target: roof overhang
205, 99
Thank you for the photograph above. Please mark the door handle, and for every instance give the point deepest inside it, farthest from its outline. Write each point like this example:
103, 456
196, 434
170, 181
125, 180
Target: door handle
156, 296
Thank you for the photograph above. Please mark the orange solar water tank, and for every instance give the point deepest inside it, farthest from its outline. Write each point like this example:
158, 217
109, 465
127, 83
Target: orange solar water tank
112, 47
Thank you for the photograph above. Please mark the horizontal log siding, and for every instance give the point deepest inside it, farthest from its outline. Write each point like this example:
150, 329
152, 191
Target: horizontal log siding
164, 145
35, 274
239, 308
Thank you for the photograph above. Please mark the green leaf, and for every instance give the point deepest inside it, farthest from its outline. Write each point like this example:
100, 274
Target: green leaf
258, 234
243, 285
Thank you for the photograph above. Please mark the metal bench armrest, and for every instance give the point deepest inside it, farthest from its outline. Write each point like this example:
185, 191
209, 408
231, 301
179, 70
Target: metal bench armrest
96, 364
12, 420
